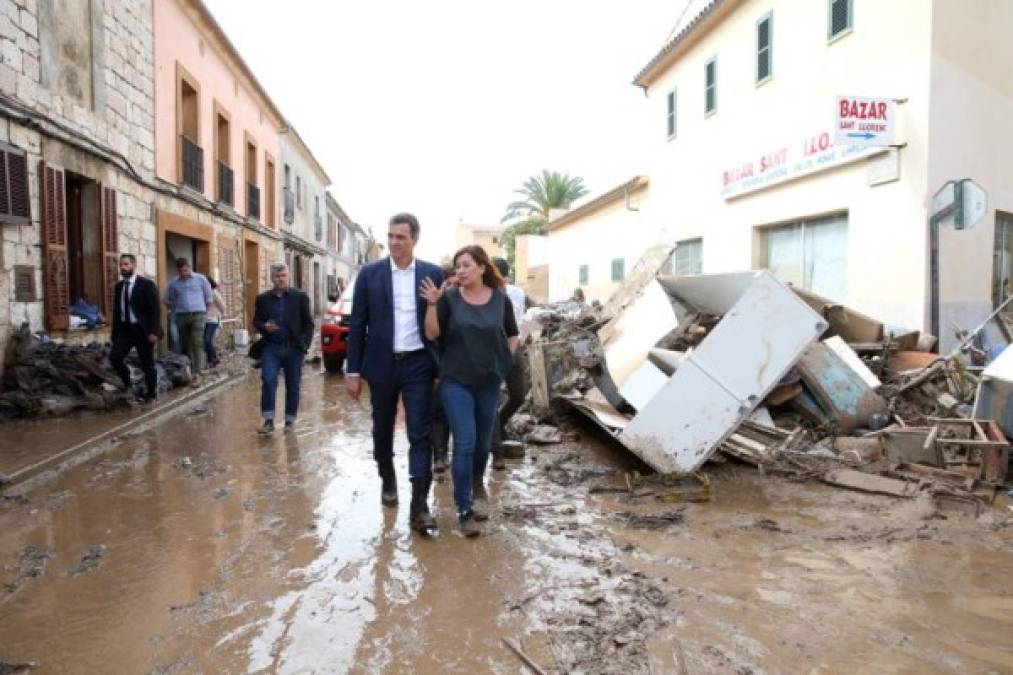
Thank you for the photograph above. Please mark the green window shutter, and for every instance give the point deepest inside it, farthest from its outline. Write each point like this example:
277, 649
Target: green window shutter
618, 269
764, 48
711, 85
670, 118
840, 17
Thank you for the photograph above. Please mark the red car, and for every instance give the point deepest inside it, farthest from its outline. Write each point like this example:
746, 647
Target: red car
334, 331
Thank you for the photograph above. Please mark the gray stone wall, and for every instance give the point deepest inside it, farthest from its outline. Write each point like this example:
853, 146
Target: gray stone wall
97, 81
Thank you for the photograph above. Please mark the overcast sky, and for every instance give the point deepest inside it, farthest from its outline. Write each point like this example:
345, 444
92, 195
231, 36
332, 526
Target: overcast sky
444, 107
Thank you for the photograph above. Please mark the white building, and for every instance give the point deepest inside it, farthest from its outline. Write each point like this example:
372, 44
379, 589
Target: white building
743, 99
744, 173
576, 254
343, 258
304, 207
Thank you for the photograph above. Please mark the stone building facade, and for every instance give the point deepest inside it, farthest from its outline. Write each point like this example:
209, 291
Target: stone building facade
79, 162
76, 118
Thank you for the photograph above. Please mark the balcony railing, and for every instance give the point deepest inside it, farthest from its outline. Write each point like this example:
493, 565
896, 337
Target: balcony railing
226, 184
318, 227
253, 201
289, 199
193, 164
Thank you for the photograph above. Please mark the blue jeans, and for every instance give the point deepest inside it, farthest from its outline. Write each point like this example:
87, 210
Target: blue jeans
277, 357
471, 411
412, 381
209, 341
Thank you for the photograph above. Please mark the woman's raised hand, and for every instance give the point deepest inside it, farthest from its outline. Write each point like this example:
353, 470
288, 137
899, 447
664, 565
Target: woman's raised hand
431, 292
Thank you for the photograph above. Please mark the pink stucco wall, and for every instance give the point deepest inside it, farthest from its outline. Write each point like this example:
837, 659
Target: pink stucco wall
178, 39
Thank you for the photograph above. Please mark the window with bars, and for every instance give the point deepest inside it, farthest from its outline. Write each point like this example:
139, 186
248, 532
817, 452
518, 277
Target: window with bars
710, 86
764, 48
228, 284
584, 275
839, 17
618, 269
670, 117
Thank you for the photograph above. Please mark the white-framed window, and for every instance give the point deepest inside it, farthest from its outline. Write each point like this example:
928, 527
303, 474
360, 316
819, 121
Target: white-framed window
687, 258
584, 274
765, 48
840, 17
671, 122
811, 253
298, 191
710, 89
618, 269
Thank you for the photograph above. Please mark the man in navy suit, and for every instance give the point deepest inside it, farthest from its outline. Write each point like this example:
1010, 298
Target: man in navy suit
387, 347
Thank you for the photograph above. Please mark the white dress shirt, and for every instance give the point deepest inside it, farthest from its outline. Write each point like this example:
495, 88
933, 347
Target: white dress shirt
127, 311
516, 296
406, 320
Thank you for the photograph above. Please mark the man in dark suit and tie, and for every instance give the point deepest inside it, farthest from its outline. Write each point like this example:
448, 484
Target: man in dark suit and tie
387, 347
137, 324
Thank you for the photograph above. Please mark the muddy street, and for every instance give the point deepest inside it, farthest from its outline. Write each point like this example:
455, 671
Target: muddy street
198, 546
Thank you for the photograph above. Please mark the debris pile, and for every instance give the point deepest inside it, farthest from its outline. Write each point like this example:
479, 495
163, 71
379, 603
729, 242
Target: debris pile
682, 370
43, 378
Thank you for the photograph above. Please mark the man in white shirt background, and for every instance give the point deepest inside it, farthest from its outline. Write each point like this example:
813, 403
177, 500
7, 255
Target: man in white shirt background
516, 381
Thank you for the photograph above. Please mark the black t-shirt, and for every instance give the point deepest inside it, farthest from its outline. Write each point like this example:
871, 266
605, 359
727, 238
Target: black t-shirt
473, 338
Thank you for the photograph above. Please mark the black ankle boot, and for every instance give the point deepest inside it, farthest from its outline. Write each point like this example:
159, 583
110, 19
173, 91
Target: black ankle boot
420, 519
388, 488
439, 460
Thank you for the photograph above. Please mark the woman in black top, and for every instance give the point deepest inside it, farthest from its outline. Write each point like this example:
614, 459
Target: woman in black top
477, 335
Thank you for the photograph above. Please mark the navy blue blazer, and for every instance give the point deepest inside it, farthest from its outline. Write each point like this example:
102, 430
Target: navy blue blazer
371, 334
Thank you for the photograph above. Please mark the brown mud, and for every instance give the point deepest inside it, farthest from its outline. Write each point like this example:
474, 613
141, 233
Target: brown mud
196, 546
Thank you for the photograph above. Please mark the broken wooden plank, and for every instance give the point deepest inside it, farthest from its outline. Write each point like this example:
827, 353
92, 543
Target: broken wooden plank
866, 482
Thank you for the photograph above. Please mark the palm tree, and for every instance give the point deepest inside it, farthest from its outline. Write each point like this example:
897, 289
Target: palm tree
551, 190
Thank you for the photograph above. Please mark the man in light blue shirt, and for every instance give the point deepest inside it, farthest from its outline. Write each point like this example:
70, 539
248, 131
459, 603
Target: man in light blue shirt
188, 297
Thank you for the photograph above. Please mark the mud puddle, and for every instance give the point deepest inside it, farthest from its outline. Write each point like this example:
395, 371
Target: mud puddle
199, 547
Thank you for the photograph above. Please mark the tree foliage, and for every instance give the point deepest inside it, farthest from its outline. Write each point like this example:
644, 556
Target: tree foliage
538, 195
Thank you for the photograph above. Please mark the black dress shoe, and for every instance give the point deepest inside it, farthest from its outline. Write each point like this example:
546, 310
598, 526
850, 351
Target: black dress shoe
423, 523
388, 492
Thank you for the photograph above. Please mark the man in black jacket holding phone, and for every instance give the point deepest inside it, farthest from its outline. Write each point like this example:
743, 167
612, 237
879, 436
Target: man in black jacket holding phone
137, 324
282, 316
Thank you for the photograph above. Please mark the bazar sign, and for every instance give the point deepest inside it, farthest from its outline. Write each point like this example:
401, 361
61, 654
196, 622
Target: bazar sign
803, 157
860, 120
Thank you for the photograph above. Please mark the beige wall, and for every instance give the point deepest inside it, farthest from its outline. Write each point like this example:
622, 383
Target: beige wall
180, 40
595, 239
971, 136
531, 269
487, 238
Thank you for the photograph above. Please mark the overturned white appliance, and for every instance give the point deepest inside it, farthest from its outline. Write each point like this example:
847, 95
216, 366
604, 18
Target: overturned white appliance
682, 418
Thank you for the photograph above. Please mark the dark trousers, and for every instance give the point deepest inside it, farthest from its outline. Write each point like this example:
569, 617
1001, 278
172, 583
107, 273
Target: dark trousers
517, 390
412, 382
275, 357
132, 336
441, 427
210, 328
